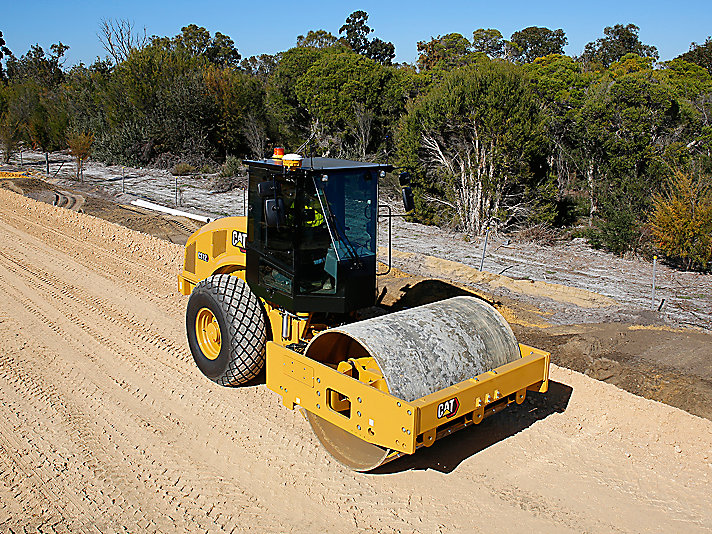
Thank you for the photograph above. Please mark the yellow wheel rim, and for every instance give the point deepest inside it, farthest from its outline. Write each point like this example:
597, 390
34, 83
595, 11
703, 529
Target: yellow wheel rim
207, 333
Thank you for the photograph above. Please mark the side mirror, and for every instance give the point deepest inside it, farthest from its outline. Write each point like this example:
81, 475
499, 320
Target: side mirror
408, 201
268, 189
404, 179
274, 212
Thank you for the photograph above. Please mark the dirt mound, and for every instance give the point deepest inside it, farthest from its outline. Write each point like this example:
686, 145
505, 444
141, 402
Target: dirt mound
673, 366
452, 270
98, 232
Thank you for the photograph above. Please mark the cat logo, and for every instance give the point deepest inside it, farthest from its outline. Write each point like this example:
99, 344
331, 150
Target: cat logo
448, 408
238, 240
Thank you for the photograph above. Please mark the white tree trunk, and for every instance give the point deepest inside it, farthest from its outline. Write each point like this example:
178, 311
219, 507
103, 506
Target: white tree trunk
477, 188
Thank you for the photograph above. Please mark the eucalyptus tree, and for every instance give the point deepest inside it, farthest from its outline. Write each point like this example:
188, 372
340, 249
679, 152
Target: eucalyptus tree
475, 141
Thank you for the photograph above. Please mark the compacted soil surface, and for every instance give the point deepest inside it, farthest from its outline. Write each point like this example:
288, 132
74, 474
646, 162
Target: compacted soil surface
106, 425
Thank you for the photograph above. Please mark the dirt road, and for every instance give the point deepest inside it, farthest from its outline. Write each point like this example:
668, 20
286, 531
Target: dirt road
106, 425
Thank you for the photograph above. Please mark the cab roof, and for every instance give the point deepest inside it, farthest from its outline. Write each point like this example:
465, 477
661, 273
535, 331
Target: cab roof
320, 164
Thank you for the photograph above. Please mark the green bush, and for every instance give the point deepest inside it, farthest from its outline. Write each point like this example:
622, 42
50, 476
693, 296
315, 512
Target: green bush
182, 169
617, 232
232, 167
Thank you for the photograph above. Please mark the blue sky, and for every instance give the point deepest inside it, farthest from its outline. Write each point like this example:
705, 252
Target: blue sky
269, 27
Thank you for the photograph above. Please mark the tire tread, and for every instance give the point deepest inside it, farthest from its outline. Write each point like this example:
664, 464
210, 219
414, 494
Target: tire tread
246, 324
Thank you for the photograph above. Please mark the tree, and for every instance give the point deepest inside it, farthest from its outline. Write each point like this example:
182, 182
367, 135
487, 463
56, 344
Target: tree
619, 40
354, 98
488, 41
475, 141
38, 113
9, 136
533, 42
363, 123
119, 39
260, 66
255, 132
36, 65
562, 87
156, 102
85, 97
700, 54
693, 87
356, 32
444, 52
317, 39
626, 122
381, 51
682, 221
240, 99
80, 147
288, 116
4, 51
196, 42
356, 37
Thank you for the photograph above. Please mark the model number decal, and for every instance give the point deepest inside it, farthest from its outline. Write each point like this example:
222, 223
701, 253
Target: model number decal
202, 256
448, 408
239, 239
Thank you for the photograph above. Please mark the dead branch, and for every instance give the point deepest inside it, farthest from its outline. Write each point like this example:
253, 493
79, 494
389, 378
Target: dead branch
118, 38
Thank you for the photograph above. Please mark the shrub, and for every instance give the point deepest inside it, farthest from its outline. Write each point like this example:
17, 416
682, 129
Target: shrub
182, 169
232, 167
682, 221
223, 184
541, 234
9, 136
232, 175
617, 231
80, 145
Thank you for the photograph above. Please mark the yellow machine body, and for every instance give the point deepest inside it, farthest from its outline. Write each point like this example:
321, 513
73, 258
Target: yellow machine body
377, 417
352, 394
217, 248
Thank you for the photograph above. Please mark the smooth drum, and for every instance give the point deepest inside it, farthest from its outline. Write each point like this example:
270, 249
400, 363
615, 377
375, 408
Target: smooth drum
419, 351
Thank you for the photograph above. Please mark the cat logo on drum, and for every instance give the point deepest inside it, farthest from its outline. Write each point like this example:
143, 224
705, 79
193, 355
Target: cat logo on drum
448, 408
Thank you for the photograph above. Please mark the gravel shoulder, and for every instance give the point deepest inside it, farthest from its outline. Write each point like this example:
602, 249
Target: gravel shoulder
107, 425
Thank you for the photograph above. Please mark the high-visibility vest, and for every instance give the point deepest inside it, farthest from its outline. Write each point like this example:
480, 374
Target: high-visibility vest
318, 218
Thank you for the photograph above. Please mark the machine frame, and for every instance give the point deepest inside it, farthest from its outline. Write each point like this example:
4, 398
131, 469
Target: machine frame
377, 417
351, 394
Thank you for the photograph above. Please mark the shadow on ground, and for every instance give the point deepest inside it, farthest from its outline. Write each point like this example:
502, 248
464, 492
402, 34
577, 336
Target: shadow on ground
408, 292
448, 453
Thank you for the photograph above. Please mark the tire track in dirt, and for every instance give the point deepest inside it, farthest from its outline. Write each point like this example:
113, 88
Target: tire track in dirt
67, 375
136, 273
95, 374
72, 318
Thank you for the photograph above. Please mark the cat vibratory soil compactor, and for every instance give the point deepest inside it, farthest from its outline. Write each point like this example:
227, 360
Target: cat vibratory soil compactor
286, 286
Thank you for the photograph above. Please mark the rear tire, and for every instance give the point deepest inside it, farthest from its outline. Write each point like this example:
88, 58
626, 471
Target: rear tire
226, 330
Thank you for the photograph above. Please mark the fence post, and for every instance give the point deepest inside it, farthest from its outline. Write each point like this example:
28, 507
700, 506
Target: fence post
176, 191
123, 178
655, 261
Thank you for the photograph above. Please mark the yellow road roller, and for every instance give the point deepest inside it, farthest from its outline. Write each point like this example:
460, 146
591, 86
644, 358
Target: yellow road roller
292, 286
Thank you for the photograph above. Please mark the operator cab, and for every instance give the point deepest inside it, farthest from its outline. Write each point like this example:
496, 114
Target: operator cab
311, 244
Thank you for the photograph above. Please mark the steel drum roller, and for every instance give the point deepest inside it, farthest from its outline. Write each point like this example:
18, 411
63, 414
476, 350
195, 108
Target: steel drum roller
419, 351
